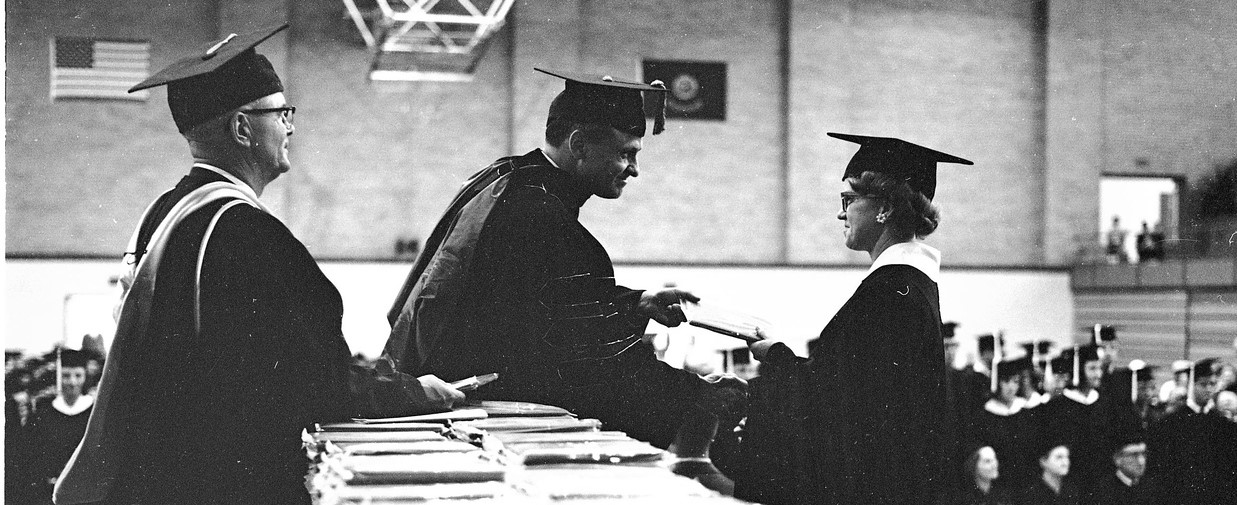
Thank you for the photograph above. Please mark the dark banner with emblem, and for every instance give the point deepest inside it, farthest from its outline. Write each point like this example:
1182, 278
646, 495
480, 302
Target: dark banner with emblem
695, 89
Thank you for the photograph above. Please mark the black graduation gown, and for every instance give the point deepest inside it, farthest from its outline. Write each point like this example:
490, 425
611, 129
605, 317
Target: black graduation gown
215, 416
1012, 437
1112, 491
1086, 430
864, 420
55, 435
537, 303
1038, 493
1192, 458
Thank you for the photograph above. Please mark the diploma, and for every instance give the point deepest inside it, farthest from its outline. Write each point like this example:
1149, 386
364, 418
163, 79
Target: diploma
474, 382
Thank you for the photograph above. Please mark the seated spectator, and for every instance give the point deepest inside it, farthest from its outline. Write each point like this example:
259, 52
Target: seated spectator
982, 469
1126, 485
58, 424
1051, 488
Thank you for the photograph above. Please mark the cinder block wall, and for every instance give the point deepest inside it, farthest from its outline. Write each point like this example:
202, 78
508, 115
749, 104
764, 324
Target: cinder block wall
1043, 96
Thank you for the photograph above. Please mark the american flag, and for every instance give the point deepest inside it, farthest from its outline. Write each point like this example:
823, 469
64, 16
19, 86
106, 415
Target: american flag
97, 68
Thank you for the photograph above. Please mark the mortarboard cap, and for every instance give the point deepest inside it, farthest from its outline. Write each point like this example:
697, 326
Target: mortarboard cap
949, 329
1012, 367
1182, 366
1120, 438
986, 343
1204, 368
1101, 333
70, 358
606, 100
1088, 353
912, 163
221, 78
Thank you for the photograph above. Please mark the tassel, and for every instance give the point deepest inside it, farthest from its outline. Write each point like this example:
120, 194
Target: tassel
659, 119
1076, 371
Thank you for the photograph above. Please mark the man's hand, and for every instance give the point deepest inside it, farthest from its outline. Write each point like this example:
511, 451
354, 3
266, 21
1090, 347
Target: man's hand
440, 394
664, 307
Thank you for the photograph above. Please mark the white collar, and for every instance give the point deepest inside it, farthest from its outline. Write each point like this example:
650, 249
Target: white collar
83, 402
917, 254
1077, 396
1125, 480
243, 187
548, 158
1037, 399
1001, 409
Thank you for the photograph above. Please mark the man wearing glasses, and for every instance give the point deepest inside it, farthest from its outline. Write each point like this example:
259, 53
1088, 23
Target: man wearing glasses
228, 340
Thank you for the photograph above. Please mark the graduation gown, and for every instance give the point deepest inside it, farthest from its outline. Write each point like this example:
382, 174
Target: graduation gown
511, 282
864, 419
1085, 423
1192, 458
228, 344
1010, 431
1113, 491
1038, 493
55, 429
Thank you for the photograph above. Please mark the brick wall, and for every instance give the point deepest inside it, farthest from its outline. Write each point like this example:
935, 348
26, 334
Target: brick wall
1043, 96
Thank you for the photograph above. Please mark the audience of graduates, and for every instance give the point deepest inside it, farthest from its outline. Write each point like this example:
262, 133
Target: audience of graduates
1070, 428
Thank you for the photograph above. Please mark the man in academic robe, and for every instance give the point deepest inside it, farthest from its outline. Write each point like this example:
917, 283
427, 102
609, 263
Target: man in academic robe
1192, 455
218, 366
1126, 485
511, 282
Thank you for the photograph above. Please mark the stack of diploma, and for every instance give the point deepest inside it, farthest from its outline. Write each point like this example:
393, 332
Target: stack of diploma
490, 452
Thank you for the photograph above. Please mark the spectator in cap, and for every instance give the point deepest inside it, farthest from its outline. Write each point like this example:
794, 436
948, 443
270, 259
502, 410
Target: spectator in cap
1052, 487
511, 282
1181, 379
1126, 485
1192, 456
873, 419
217, 368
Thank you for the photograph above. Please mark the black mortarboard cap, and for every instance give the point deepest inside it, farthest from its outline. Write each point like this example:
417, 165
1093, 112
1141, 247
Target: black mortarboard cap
1063, 363
949, 329
606, 100
898, 158
1012, 367
986, 343
1089, 352
1120, 438
1204, 368
70, 358
221, 78
1101, 333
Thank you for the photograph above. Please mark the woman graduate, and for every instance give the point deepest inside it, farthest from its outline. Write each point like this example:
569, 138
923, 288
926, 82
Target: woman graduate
864, 419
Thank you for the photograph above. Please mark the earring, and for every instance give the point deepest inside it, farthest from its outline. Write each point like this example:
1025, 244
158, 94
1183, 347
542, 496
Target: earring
880, 218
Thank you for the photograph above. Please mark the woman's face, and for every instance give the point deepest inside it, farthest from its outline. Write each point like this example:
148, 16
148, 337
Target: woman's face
1056, 462
858, 218
986, 466
1008, 388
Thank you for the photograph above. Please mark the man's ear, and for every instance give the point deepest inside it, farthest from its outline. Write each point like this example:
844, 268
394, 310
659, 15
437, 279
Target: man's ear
240, 130
577, 145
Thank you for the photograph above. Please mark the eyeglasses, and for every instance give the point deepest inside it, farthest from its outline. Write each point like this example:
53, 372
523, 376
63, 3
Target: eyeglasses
285, 112
850, 197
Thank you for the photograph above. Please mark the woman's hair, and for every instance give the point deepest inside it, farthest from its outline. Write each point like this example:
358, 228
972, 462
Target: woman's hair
912, 213
972, 464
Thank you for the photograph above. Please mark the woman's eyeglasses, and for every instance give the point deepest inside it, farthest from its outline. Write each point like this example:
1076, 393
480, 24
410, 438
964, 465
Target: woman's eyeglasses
849, 197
